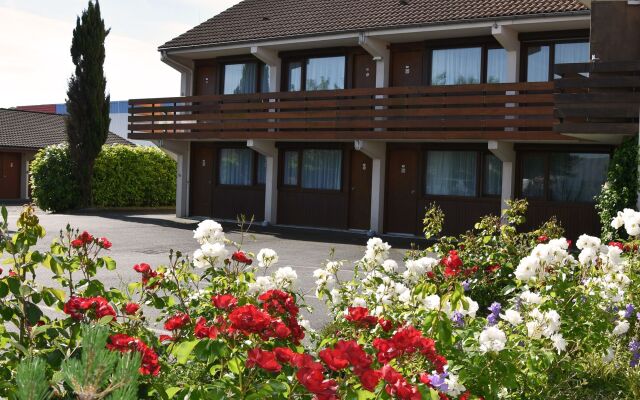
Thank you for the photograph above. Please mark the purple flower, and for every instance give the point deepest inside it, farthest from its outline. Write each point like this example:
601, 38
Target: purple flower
458, 319
437, 381
638, 315
466, 285
495, 308
634, 346
493, 319
629, 311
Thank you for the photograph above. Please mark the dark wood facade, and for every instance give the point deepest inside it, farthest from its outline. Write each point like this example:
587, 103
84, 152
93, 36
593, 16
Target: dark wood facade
10, 172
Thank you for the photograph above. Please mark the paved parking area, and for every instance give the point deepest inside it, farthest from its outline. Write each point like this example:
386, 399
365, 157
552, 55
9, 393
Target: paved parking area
147, 237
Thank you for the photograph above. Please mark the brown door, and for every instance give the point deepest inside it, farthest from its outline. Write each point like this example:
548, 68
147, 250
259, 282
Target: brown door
402, 191
10, 175
201, 180
360, 191
406, 68
206, 81
364, 71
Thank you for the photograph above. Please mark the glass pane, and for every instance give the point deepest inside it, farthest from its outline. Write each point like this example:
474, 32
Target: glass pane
295, 76
321, 169
537, 63
236, 166
577, 176
262, 170
492, 176
451, 173
240, 78
533, 175
290, 168
496, 66
325, 73
264, 79
456, 66
567, 53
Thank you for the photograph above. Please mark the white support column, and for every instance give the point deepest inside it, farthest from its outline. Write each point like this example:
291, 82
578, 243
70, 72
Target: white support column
379, 50
270, 57
508, 39
27, 157
181, 152
378, 153
269, 150
505, 153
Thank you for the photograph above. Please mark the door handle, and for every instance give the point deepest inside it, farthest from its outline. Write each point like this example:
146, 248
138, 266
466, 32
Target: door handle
353, 188
413, 191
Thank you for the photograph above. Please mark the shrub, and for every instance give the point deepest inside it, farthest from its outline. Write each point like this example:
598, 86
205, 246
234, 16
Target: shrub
123, 176
126, 176
621, 189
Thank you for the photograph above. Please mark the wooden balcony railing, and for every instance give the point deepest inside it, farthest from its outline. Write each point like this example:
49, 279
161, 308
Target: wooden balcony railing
485, 111
598, 98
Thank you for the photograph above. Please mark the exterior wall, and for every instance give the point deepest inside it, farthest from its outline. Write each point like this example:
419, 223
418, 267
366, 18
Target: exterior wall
615, 41
10, 175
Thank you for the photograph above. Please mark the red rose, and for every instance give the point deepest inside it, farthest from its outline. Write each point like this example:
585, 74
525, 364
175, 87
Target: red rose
334, 358
543, 239
281, 330
12, 273
104, 243
76, 307
77, 243
249, 319
360, 315
166, 338
312, 378
492, 268
224, 301
370, 379
284, 354
176, 322
85, 237
125, 344
241, 257
142, 268
452, 264
617, 244
264, 359
385, 324
131, 308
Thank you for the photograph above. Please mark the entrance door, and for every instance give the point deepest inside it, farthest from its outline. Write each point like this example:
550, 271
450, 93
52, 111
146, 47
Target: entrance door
360, 191
201, 180
402, 191
364, 71
10, 175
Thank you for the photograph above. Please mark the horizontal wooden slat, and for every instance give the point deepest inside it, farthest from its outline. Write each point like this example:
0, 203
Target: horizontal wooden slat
598, 128
598, 82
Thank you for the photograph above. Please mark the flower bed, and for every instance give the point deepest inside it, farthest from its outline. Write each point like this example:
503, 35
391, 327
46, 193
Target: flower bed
491, 314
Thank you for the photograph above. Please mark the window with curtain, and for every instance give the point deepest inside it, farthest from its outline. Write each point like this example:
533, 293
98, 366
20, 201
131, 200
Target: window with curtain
568, 53
326, 73
496, 66
492, 176
240, 78
538, 63
321, 169
295, 76
261, 173
451, 173
236, 167
533, 175
577, 177
264, 78
290, 168
456, 66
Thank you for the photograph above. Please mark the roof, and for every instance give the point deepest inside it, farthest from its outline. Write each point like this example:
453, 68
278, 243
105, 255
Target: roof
256, 20
35, 130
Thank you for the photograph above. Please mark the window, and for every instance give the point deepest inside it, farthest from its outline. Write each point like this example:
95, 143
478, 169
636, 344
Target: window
321, 169
261, 173
496, 66
451, 173
236, 167
456, 66
321, 73
264, 79
567, 53
577, 176
559, 176
538, 64
541, 57
240, 78
492, 176
290, 170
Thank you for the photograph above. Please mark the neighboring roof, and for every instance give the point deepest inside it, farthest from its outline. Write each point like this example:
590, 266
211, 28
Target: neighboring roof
35, 130
255, 20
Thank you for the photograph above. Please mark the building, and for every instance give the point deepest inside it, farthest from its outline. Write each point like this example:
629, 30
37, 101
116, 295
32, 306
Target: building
358, 114
22, 134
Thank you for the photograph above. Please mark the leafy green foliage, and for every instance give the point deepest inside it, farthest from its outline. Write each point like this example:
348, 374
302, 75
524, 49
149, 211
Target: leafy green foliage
124, 176
621, 189
87, 103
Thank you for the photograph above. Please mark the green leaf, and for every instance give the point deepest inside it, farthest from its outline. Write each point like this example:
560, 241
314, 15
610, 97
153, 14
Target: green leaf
5, 213
109, 263
235, 365
33, 313
105, 320
172, 391
183, 350
434, 395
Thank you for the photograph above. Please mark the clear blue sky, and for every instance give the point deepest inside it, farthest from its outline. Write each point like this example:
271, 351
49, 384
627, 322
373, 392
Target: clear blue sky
35, 36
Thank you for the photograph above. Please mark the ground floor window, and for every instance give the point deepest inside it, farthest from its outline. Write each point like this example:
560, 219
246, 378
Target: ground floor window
239, 166
319, 169
563, 176
458, 173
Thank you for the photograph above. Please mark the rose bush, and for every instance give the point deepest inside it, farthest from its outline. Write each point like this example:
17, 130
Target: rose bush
494, 313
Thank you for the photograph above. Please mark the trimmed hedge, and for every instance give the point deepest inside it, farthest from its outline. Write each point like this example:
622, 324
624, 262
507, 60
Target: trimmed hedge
123, 176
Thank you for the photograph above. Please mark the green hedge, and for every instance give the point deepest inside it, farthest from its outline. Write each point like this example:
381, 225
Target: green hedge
123, 176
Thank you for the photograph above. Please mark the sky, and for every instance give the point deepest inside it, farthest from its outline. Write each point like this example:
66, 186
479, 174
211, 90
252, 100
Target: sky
35, 37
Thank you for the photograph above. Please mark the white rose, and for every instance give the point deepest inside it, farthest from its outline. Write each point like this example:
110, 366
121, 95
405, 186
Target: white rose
621, 328
512, 316
285, 277
492, 339
266, 258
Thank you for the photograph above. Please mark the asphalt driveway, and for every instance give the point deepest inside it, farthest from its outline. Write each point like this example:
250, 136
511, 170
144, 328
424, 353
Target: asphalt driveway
147, 237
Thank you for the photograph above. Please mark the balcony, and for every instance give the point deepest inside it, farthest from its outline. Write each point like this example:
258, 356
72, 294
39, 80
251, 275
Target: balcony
598, 98
515, 111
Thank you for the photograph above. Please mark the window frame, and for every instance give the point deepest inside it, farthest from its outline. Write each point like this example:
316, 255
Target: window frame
259, 72
303, 60
254, 168
551, 42
298, 186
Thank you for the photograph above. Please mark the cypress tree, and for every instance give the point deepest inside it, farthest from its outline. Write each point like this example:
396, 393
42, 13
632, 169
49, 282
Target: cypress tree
87, 102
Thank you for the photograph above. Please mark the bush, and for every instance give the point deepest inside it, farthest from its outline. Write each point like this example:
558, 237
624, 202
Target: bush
123, 176
621, 189
127, 176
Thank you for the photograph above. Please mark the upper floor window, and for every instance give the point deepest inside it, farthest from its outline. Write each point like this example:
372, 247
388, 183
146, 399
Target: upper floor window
245, 78
541, 57
320, 73
465, 65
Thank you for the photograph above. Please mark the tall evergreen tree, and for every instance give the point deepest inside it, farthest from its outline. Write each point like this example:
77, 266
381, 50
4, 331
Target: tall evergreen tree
87, 102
